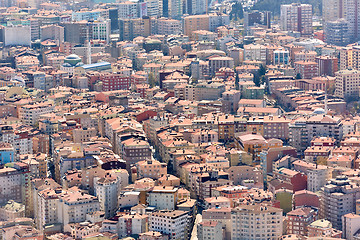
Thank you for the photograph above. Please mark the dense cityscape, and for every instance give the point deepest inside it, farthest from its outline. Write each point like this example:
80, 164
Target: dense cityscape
179, 119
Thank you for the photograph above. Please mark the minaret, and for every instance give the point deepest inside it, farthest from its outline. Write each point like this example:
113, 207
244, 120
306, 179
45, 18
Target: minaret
326, 100
88, 45
88, 52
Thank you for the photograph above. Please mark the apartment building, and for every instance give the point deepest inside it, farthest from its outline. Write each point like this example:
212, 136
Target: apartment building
255, 52
338, 198
134, 150
298, 220
238, 174
168, 26
115, 81
163, 197
317, 175
209, 230
174, 223
250, 222
14, 183
150, 169
46, 210
347, 83
215, 63
107, 191
296, 17
351, 225
74, 205
337, 32
307, 69
30, 114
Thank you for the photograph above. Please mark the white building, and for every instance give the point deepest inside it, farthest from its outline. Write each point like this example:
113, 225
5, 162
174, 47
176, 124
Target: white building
163, 197
256, 222
80, 230
73, 207
174, 223
255, 52
338, 198
107, 191
175, 9
128, 10
209, 230
351, 224
154, 8
281, 56
101, 30
46, 210
30, 114
347, 83
17, 35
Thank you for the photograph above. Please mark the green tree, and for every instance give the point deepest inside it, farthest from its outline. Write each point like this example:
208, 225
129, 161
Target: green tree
152, 80
237, 12
257, 80
259, 77
298, 76
262, 79
262, 70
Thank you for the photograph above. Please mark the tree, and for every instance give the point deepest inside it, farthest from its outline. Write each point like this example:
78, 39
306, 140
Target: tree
262, 70
263, 79
237, 12
259, 77
257, 80
152, 80
298, 76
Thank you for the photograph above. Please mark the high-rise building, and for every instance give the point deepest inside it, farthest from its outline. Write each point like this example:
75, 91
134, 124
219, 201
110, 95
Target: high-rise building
131, 28
101, 30
347, 83
193, 7
297, 17
351, 225
351, 12
338, 198
327, 65
256, 222
204, 22
107, 190
154, 8
337, 32
128, 10
255, 17
175, 9
332, 10
347, 9
74, 205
